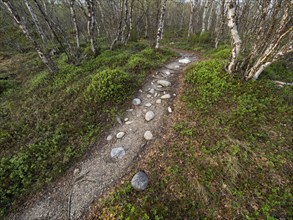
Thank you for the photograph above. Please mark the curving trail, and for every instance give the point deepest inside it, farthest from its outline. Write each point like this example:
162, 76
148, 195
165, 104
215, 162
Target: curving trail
112, 157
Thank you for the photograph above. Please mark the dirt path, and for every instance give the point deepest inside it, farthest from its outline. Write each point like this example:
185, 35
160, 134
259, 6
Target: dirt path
72, 195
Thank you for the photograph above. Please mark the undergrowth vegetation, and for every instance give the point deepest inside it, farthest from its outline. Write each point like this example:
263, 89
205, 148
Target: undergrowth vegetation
48, 120
228, 156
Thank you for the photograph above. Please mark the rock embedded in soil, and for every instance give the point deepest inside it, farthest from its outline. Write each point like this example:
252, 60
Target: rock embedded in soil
185, 60
166, 96
148, 135
152, 91
149, 115
110, 137
118, 152
136, 101
140, 181
159, 101
164, 83
120, 135
148, 105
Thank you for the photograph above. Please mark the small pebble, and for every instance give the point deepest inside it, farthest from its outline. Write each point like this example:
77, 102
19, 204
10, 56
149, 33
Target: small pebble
120, 135
148, 105
169, 110
76, 172
152, 91
149, 96
156, 94
166, 96
126, 119
140, 90
149, 115
128, 122
148, 135
136, 101
159, 101
110, 137
118, 152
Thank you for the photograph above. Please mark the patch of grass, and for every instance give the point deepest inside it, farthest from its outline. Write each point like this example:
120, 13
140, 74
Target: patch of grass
279, 70
46, 120
228, 156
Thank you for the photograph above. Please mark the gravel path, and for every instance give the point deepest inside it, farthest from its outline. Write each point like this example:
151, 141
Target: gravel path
72, 195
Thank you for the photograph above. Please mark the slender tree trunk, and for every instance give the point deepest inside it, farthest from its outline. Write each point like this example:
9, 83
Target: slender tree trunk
52, 26
220, 23
45, 59
210, 16
161, 24
191, 18
231, 16
205, 9
130, 22
120, 28
36, 21
91, 24
75, 27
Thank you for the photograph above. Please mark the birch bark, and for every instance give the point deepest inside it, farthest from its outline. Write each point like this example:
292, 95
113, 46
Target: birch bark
35, 20
191, 18
231, 17
75, 27
203, 25
91, 24
161, 24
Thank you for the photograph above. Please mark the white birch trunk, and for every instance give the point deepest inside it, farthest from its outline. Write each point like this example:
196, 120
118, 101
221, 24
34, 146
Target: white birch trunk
91, 24
220, 23
161, 24
203, 25
35, 20
75, 27
231, 16
210, 16
45, 59
191, 18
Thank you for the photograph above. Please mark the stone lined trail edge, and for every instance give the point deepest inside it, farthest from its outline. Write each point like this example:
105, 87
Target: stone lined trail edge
112, 157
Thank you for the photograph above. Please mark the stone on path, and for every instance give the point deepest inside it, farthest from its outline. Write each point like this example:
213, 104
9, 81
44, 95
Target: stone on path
184, 61
164, 83
126, 119
128, 122
152, 91
136, 101
159, 101
140, 181
166, 96
110, 137
148, 135
149, 96
120, 135
148, 105
169, 110
149, 115
118, 152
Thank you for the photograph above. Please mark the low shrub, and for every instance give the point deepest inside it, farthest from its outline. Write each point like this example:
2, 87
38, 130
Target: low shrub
109, 86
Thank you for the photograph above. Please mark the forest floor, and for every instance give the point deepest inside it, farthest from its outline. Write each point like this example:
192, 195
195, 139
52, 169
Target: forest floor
72, 195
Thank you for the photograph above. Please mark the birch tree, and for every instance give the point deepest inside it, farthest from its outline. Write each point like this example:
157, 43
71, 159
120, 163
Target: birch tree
35, 20
205, 9
191, 18
91, 24
231, 22
161, 24
21, 24
75, 27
